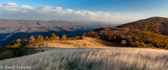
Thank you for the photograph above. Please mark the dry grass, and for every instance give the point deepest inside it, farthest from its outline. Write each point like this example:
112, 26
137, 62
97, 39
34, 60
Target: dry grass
87, 42
95, 59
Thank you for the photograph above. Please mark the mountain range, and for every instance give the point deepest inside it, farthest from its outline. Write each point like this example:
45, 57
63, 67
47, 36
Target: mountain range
17, 29
10, 26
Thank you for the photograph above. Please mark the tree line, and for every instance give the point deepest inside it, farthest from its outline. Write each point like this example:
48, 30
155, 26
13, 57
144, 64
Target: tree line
19, 47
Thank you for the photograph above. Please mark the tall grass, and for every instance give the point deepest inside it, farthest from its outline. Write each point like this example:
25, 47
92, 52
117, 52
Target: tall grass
95, 59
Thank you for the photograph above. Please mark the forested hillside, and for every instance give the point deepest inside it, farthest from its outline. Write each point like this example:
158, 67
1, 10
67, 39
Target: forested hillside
130, 37
155, 24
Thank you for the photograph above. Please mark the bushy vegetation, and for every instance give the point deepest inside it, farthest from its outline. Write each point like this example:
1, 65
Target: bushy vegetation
130, 37
53, 36
10, 53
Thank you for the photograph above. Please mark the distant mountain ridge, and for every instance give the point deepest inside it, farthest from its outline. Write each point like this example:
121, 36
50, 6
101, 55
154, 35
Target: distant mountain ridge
154, 24
17, 29
10, 26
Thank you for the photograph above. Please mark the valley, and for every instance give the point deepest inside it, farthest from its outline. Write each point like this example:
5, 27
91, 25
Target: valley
18, 29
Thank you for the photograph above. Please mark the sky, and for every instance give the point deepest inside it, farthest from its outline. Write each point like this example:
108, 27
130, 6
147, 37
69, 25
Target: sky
110, 11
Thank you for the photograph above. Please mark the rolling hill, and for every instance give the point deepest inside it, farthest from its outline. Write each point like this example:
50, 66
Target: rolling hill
154, 24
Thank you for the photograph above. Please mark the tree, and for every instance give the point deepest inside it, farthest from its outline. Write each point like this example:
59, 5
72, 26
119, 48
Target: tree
92, 33
46, 38
7, 46
6, 54
114, 37
64, 37
57, 38
29, 46
84, 34
110, 35
31, 39
39, 40
123, 43
53, 36
16, 45
18, 40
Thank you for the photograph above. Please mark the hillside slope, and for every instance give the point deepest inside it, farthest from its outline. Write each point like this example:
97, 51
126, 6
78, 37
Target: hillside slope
130, 37
155, 24
93, 59
86, 42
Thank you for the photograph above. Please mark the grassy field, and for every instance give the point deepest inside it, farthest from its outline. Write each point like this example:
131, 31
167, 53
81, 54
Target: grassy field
94, 59
86, 42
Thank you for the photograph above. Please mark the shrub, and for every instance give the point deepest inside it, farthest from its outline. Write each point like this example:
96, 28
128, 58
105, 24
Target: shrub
64, 37
123, 43
16, 45
6, 54
39, 40
29, 46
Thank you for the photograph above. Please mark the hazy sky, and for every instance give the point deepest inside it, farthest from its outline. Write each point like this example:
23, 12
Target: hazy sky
112, 11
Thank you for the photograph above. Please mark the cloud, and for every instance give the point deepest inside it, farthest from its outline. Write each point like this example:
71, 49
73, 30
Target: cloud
26, 7
10, 4
14, 11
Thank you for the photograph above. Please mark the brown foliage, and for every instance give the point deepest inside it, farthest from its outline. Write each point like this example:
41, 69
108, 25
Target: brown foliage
29, 46
110, 35
39, 40
134, 37
53, 36
64, 37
